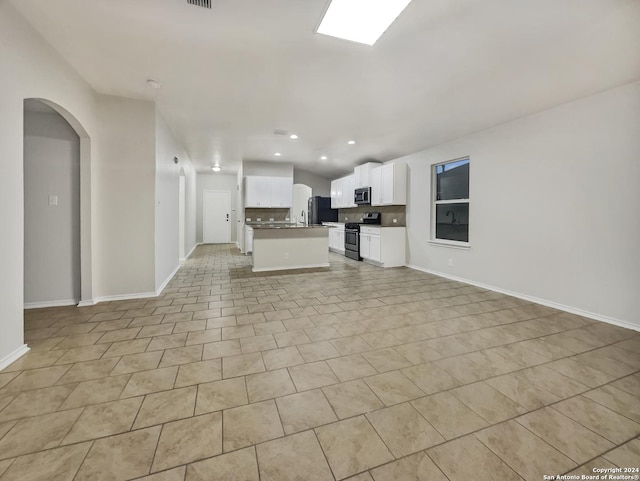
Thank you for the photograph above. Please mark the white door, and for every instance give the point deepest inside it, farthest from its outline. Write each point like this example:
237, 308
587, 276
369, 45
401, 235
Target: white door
216, 217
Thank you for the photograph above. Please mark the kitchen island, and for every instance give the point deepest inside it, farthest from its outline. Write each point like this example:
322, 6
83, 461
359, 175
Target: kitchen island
281, 247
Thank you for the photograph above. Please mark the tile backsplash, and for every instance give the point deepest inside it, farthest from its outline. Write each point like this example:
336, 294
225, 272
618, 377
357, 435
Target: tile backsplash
265, 215
389, 213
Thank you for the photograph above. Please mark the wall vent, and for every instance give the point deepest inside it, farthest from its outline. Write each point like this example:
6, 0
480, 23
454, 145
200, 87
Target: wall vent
280, 132
200, 3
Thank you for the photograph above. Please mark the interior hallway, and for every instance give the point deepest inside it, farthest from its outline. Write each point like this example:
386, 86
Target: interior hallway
350, 371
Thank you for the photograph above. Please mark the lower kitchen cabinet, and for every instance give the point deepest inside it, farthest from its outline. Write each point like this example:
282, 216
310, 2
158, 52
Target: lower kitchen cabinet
248, 239
336, 238
383, 246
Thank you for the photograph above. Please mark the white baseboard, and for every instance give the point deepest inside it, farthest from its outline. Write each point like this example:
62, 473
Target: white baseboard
167, 280
290, 268
14, 356
40, 305
182, 259
537, 300
87, 303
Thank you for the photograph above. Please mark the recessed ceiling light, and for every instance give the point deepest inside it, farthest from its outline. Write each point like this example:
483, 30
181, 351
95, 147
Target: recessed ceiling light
154, 83
361, 21
351, 142
293, 137
216, 168
277, 154
324, 157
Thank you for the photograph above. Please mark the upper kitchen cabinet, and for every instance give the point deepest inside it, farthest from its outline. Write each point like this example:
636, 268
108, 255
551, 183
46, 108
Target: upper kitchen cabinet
342, 192
348, 188
281, 192
389, 184
336, 193
362, 174
263, 191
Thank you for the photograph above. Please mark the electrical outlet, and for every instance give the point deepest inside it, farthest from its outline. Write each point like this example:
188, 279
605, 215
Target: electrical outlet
53, 200
286, 255
248, 219
450, 262
270, 219
259, 219
395, 221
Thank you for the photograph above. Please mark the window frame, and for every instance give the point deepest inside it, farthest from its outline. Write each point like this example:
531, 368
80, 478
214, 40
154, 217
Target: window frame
434, 203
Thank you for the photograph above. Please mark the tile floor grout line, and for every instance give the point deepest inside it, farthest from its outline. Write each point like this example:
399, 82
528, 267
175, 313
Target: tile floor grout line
482, 366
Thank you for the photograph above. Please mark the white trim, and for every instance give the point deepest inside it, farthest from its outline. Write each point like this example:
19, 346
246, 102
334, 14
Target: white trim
537, 300
124, 297
182, 259
167, 280
336, 250
14, 356
39, 305
452, 201
290, 268
87, 303
128, 297
450, 243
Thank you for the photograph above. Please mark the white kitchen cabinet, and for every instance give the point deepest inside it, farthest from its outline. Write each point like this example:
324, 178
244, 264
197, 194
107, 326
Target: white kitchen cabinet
383, 246
342, 192
389, 184
248, 239
281, 192
265, 191
362, 174
336, 237
348, 189
334, 194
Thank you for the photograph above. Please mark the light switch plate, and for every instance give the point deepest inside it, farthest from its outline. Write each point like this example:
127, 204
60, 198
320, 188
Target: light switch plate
53, 200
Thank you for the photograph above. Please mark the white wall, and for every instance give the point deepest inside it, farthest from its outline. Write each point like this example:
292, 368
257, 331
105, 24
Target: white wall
124, 180
167, 255
30, 68
52, 233
554, 206
273, 169
222, 183
319, 185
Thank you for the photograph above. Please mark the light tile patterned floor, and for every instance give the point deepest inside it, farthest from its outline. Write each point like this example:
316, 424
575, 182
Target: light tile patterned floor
353, 372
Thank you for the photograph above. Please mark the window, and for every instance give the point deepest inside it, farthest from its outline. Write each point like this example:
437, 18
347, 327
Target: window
450, 207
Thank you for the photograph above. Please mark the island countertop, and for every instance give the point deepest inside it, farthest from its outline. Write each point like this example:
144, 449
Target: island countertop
282, 247
276, 226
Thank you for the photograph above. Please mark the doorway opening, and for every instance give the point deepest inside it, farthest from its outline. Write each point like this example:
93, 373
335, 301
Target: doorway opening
216, 217
57, 215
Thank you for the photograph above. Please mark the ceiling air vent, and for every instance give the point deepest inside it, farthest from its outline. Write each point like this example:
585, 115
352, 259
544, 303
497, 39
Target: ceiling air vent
200, 3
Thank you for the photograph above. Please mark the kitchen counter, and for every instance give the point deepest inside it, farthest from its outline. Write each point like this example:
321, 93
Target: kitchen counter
281, 247
292, 226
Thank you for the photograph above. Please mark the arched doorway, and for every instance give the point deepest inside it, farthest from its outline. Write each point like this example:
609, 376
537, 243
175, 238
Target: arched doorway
57, 219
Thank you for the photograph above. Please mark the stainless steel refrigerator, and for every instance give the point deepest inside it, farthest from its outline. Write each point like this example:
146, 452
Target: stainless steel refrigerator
320, 211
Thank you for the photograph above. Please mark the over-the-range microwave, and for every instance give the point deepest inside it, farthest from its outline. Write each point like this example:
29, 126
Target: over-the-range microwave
362, 195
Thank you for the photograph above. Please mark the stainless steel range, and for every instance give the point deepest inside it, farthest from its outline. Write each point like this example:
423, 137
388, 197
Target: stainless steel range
352, 234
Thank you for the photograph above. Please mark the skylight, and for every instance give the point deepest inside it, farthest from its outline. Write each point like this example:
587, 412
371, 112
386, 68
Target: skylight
362, 21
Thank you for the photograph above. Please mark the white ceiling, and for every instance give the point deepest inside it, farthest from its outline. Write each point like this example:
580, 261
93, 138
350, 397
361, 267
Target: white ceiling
233, 74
